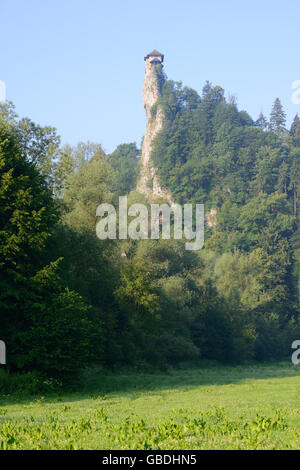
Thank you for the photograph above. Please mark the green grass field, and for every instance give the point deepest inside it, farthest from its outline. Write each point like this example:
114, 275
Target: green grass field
245, 407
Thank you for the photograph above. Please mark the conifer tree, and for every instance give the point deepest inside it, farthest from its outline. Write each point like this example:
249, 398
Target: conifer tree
262, 122
295, 131
277, 118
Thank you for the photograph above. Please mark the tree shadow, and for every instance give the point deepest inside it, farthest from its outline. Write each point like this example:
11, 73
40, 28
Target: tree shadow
95, 384
188, 378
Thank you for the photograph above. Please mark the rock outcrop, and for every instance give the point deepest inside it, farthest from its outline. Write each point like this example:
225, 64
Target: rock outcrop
148, 182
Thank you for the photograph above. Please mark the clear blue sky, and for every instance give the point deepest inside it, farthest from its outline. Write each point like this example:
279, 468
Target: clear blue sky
78, 65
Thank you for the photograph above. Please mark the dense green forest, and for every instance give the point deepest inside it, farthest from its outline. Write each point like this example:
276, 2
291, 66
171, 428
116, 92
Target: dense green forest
69, 300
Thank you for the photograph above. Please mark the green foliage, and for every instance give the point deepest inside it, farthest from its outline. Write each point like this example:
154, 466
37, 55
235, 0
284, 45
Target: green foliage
161, 76
124, 161
40, 145
277, 118
26, 384
262, 122
85, 190
214, 154
295, 131
44, 325
27, 209
59, 335
69, 300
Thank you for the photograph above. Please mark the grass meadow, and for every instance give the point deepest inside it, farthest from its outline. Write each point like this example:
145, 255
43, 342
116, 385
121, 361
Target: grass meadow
209, 407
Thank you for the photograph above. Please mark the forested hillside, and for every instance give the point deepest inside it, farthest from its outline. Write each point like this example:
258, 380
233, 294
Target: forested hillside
248, 175
69, 299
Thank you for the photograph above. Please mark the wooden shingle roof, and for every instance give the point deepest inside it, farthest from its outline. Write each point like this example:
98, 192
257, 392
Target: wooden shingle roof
154, 53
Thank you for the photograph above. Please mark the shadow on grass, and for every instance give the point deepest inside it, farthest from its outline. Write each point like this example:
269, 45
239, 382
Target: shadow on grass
96, 384
186, 378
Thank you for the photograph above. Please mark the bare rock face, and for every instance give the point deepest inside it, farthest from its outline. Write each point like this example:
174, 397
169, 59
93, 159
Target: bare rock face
211, 218
148, 182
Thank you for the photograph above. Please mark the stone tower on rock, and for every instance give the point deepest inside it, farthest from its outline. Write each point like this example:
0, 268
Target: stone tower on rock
148, 182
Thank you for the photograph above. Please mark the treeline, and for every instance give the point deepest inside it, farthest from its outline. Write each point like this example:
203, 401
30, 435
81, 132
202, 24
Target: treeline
69, 300
247, 173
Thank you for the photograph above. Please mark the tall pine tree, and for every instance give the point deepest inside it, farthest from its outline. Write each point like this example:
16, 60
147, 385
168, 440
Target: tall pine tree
295, 131
277, 118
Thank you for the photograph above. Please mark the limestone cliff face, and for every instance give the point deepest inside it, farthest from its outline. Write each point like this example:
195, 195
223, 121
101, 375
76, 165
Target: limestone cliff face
148, 182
